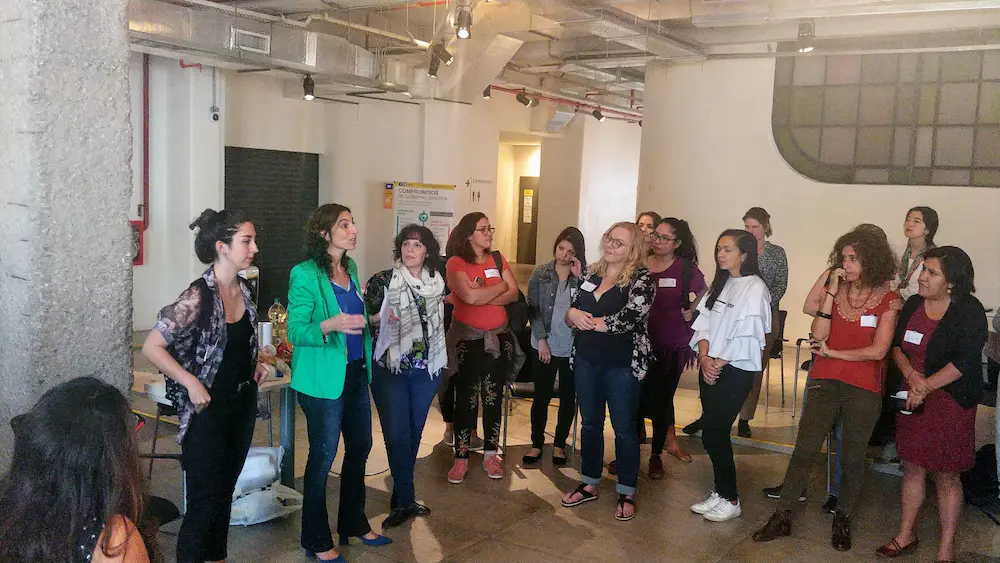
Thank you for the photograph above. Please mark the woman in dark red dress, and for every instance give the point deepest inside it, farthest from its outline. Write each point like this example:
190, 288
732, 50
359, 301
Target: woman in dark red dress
938, 346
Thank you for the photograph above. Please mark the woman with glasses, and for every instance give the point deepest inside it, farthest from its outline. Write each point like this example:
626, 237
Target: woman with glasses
611, 354
481, 345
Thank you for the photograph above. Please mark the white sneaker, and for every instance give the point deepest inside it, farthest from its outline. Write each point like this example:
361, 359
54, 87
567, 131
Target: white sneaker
707, 505
724, 511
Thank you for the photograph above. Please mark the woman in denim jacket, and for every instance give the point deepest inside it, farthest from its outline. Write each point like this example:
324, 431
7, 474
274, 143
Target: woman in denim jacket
550, 295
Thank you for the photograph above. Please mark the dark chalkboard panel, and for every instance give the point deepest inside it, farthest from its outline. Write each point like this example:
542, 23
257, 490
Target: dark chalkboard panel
278, 190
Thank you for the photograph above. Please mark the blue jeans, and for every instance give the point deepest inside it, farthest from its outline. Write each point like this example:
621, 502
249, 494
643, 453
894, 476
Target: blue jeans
838, 446
326, 419
617, 387
403, 400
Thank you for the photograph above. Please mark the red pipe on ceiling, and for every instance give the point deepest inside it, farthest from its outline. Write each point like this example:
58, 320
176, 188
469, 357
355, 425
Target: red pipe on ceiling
145, 142
564, 101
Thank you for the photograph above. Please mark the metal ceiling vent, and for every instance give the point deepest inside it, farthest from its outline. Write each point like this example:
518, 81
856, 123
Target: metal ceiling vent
241, 39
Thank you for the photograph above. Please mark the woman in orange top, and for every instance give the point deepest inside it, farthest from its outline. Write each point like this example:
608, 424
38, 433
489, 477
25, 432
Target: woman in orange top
852, 333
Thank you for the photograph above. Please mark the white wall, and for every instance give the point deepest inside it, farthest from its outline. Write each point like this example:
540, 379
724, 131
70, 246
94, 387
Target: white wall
559, 185
609, 175
708, 155
514, 162
186, 176
262, 118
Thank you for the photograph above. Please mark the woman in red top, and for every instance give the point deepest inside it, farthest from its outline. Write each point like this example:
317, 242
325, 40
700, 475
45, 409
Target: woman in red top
482, 349
852, 333
938, 347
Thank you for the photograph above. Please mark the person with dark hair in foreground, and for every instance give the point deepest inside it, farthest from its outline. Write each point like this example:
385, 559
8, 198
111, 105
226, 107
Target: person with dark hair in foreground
405, 305
729, 334
851, 335
205, 344
74, 492
332, 367
938, 345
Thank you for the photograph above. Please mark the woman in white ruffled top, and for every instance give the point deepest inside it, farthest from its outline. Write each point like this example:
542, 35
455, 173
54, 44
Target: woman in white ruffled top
734, 318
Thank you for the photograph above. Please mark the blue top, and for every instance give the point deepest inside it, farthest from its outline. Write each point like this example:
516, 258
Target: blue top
350, 303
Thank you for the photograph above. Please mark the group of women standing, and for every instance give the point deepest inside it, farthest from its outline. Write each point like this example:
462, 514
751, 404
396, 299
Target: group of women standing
615, 334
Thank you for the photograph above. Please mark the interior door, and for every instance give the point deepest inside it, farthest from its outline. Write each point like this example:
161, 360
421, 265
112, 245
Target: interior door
527, 219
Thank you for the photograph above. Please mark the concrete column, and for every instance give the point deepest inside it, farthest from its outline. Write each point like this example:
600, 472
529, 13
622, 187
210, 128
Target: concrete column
65, 180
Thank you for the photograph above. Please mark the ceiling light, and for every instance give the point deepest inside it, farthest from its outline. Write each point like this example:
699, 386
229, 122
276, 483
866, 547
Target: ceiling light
442, 53
598, 115
308, 88
463, 23
807, 33
487, 93
525, 100
435, 65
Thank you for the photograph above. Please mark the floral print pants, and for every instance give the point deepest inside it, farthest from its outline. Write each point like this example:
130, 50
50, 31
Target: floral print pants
480, 375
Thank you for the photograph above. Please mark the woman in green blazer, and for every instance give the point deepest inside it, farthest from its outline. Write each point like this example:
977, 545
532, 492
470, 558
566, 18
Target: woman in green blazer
331, 370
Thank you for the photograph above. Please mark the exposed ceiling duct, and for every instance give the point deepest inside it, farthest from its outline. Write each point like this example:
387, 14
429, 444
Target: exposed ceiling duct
257, 41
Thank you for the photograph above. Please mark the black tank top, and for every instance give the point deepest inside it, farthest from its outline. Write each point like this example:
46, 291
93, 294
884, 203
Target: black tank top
236, 365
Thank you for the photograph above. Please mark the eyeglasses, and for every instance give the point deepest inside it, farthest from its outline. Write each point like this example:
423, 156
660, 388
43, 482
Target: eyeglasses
487, 230
662, 238
615, 243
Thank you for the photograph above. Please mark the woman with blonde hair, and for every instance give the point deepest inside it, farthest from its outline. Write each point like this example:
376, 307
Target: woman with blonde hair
611, 354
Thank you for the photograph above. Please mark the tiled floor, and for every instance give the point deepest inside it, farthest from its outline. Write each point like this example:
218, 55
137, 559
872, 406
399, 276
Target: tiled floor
519, 519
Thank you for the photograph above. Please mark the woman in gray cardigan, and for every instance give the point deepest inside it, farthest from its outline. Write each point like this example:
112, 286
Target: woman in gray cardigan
550, 294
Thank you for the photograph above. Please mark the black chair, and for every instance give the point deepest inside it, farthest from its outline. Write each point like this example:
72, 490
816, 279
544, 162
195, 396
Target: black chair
777, 352
161, 411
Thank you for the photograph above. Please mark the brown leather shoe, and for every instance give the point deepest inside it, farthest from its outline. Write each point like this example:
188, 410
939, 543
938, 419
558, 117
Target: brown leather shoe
779, 525
892, 549
841, 539
655, 467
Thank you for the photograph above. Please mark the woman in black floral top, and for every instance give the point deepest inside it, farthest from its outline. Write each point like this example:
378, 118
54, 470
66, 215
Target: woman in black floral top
611, 355
405, 305
206, 345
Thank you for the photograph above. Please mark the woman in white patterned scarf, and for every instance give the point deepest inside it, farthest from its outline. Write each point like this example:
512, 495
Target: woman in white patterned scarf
405, 305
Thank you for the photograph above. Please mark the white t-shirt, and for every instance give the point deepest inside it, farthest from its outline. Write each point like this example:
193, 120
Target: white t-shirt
736, 326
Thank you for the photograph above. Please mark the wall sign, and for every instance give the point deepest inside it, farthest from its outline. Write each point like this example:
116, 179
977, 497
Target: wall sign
529, 196
430, 205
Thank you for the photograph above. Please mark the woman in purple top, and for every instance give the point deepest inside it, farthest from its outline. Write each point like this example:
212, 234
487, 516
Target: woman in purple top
673, 266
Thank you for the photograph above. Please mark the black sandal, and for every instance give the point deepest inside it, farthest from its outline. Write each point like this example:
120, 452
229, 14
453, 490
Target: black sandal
622, 501
586, 496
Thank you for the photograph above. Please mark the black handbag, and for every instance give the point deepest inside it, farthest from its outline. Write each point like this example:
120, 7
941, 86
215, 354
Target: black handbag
517, 312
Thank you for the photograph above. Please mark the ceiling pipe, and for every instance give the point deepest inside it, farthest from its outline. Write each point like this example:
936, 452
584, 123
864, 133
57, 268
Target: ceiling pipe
580, 103
367, 29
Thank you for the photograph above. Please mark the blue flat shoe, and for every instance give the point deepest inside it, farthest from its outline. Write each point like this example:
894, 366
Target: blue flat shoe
379, 541
339, 559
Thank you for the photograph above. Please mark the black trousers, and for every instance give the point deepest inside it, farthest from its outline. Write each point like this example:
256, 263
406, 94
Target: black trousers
480, 376
658, 390
720, 405
213, 452
545, 379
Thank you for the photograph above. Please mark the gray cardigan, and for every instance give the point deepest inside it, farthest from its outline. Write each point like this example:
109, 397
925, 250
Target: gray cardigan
542, 297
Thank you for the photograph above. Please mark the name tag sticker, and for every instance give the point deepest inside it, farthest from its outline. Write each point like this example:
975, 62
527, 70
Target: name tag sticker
869, 321
913, 337
491, 273
588, 287
668, 282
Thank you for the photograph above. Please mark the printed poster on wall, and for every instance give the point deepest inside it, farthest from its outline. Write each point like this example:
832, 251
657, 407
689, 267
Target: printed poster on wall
430, 205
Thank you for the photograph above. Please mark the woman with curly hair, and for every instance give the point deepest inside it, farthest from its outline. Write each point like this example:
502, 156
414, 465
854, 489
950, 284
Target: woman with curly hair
611, 354
406, 307
332, 366
74, 492
851, 335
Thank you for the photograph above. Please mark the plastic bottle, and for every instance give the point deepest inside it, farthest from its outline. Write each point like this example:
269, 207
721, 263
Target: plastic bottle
278, 316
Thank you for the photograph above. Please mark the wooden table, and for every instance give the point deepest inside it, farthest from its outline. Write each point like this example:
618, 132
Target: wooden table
153, 387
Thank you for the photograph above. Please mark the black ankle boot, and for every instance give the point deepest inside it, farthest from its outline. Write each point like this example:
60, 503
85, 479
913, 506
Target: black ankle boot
841, 538
779, 525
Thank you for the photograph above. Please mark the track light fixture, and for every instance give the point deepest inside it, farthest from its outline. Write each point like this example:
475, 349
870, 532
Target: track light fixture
807, 33
308, 89
525, 100
463, 22
442, 53
598, 115
435, 65
487, 93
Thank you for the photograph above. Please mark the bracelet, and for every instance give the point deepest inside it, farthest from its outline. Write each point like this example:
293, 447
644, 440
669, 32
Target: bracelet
823, 315
831, 295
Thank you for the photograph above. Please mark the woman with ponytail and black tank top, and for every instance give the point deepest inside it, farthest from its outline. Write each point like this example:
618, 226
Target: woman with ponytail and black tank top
206, 345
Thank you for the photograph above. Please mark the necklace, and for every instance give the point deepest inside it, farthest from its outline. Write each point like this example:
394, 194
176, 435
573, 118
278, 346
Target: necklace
863, 300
